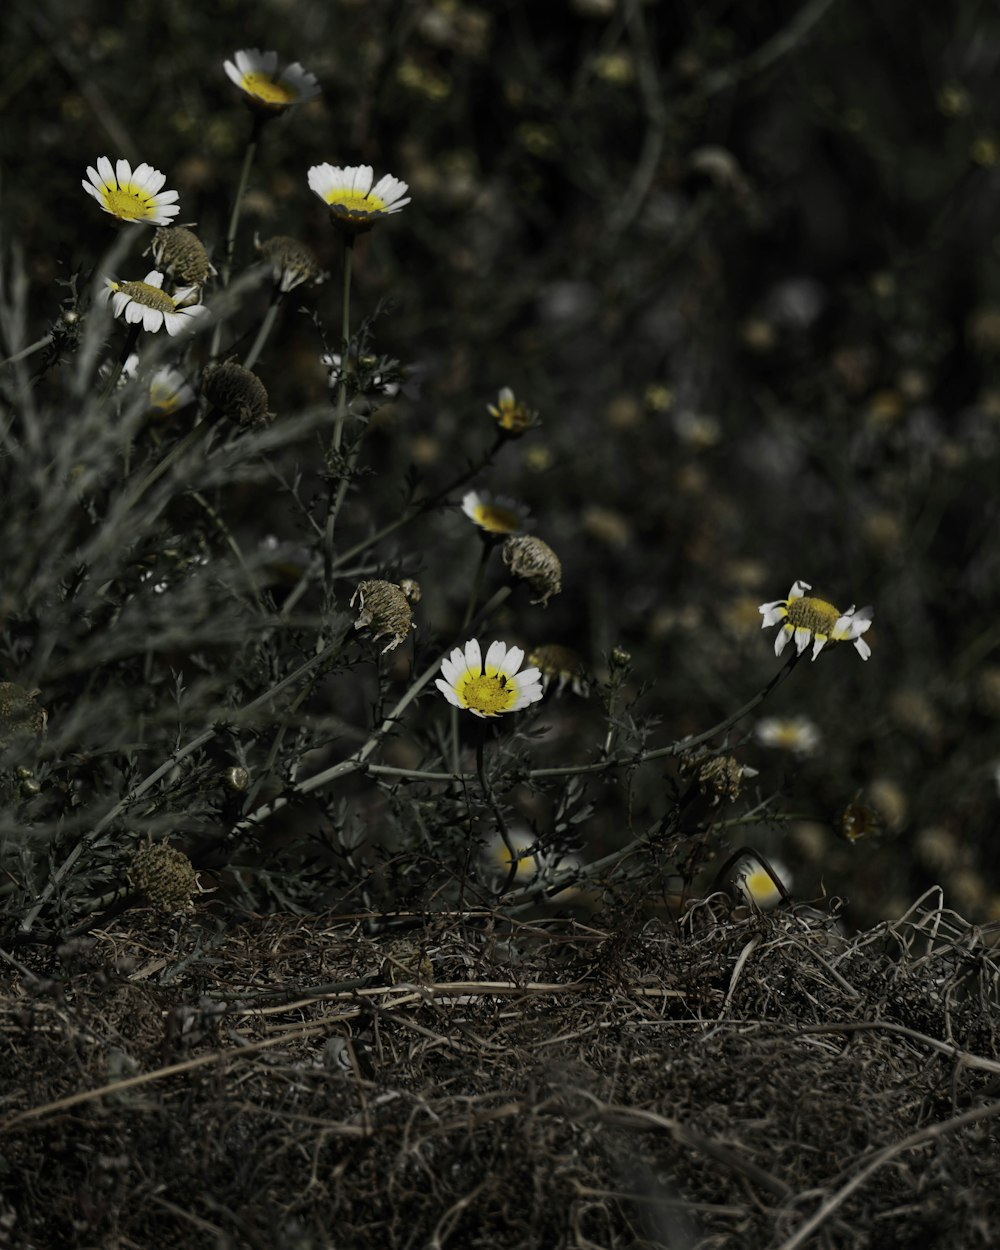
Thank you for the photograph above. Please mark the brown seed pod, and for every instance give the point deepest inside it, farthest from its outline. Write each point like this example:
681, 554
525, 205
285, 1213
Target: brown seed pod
534, 560
237, 393
384, 607
182, 254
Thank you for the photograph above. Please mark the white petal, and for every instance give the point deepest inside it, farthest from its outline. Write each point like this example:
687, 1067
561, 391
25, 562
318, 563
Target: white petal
862, 648
781, 639
818, 645
448, 693
802, 637
123, 172
473, 655
232, 72
772, 613
515, 657
495, 658
133, 312
94, 192
798, 590
152, 318
105, 171
154, 278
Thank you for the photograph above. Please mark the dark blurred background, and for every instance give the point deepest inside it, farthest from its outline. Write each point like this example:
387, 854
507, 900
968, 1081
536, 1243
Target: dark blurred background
742, 257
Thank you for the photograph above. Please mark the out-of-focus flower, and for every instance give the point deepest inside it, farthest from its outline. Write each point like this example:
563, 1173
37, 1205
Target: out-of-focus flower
797, 734
753, 884
513, 418
237, 393
182, 254
375, 381
292, 263
809, 620
169, 390
491, 686
355, 204
265, 91
496, 514
145, 303
386, 608
131, 194
562, 666
498, 857
536, 563
20, 715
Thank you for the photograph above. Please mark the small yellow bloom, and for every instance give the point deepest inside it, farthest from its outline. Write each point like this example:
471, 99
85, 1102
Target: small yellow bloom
266, 91
490, 687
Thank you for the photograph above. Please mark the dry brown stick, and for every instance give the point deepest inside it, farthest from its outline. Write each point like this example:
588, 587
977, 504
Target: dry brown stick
945, 1048
883, 1156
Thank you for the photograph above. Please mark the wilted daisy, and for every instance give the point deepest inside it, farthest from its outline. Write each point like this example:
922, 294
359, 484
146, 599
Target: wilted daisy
266, 91
146, 303
788, 733
179, 252
513, 418
292, 263
385, 608
815, 621
495, 514
562, 666
131, 194
487, 688
533, 560
354, 203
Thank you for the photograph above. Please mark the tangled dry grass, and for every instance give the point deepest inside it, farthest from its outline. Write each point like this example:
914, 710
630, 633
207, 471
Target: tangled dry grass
719, 1080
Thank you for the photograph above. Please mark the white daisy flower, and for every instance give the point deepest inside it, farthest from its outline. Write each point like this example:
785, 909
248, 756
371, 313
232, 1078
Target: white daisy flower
265, 90
808, 620
169, 390
513, 417
788, 733
147, 304
131, 194
491, 687
354, 203
496, 514
754, 884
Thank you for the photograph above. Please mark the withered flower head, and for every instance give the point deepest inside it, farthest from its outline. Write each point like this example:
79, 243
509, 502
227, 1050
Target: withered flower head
513, 417
237, 393
292, 263
20, 715
561, 665
384, 607
182, 254
166, 877
534, 560
720, 777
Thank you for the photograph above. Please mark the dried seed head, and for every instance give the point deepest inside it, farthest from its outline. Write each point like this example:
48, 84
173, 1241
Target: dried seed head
292, 263
535, 561
166, 877
20, 715
237, 393
561, 665
384, 607
721, 777
411, 588
182, 254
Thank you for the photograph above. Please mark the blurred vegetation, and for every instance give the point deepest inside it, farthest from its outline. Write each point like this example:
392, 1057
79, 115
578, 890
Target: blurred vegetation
741, 258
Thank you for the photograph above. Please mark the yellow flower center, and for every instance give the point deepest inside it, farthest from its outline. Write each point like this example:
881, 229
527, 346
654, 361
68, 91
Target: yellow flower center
268, 89
816, 615
351, 202
151, 296
128, 203
497, 520
487, 693
163, 398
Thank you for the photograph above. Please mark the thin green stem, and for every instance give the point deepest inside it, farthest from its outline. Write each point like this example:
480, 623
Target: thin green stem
234, 218
345, 341
266, 326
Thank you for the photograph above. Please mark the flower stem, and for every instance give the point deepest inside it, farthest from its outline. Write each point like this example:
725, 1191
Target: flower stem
119, 365
345, 341
266, 326
234, 218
